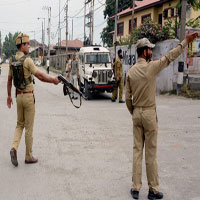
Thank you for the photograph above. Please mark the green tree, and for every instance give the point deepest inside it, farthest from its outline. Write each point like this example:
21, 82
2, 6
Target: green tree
0, 45
109, 11
9, 45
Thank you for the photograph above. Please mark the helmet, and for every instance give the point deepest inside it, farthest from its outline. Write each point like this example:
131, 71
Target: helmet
144, 42
22, 38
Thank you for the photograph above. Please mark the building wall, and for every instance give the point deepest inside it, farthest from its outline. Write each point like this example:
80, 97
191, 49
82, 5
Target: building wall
167, 78
155, 11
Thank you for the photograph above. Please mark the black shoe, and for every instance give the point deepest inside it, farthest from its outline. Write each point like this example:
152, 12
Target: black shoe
113, 100
134, 194
75, 98
121, 101
13, 155
153, 196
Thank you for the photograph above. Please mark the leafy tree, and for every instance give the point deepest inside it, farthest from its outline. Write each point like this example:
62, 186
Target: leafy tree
9, 45
0, 45
109, 11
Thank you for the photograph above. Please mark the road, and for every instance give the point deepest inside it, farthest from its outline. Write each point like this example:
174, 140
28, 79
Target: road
86, 153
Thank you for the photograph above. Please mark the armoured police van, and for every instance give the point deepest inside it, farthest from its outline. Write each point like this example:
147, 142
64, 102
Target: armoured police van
95, 70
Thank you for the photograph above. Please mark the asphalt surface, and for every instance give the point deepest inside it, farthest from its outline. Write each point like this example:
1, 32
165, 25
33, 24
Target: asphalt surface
86, 153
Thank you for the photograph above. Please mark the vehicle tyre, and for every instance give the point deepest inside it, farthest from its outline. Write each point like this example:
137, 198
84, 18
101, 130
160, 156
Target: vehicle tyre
87, 93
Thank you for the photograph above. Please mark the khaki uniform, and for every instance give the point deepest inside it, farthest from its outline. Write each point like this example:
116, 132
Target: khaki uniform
25, 109
118, 74
73, 75
140, 93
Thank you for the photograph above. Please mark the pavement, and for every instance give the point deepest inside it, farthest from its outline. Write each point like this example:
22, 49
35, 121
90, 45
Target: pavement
86, 153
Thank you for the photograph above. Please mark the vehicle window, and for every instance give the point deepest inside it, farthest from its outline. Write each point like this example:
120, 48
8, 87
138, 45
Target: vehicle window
97, 58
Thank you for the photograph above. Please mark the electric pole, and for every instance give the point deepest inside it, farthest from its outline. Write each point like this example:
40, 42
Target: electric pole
182, 36
89, 22
49, 30
115, 36
66, 28
132, 20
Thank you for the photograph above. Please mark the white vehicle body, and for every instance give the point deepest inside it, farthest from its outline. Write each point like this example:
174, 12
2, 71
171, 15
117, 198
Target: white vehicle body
95, 70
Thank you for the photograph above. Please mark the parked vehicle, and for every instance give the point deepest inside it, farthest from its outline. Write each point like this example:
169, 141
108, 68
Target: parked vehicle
95, 70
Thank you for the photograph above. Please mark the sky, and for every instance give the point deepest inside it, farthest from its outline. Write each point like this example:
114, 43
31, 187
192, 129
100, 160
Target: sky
22, 16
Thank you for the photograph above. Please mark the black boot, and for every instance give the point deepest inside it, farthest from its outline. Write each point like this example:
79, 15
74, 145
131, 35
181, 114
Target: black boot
153, 196
134, 194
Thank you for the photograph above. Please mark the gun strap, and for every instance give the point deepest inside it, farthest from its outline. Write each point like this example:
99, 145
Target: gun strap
67, 89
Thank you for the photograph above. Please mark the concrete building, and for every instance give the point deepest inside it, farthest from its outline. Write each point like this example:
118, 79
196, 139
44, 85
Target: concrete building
158, 10
73, 47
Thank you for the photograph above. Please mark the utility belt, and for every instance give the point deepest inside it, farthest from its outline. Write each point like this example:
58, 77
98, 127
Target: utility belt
145, 108
21, 92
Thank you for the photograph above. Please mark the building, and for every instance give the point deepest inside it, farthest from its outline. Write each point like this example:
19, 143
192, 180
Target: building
73, 47
158, 10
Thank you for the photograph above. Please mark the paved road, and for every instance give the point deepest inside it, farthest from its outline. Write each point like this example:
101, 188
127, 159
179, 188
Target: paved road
86, 153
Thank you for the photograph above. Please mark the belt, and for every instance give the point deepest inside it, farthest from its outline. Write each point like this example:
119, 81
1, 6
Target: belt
21, 92
145, 108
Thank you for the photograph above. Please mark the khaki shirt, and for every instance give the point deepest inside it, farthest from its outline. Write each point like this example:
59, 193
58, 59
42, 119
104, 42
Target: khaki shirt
141, 79
74, 67
118, 68
29, 69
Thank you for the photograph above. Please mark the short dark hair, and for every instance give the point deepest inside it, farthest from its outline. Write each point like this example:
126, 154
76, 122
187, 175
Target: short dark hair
18, 46
119, 51
141, 50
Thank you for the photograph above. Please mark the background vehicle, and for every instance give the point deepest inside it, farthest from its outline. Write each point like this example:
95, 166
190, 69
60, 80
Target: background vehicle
95, 70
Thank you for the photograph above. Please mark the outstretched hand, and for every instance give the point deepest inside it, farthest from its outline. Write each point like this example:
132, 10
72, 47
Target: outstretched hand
56, 80
191, 37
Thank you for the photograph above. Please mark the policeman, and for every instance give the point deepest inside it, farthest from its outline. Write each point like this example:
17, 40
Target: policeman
140, 101
25, 99
119, 78
74, 74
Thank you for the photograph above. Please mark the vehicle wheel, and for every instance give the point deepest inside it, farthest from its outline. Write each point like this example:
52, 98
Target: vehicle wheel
87, 93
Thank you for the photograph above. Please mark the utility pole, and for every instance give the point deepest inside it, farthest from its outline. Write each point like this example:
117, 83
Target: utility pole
43, 38
182, 36
72, 29
49, 30
132, 20
89, 21
115, 36
67, 28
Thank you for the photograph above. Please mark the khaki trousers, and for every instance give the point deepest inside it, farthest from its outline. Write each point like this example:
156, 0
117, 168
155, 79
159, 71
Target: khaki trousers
145, 134
115, 91
25, 119
74, 82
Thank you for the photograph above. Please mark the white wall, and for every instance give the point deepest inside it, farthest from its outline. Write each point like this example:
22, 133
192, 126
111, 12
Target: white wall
166, 79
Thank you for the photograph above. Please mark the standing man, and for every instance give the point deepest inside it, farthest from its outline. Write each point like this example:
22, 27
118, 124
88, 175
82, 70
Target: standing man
140, 101
21, 70
119, 78
74, 74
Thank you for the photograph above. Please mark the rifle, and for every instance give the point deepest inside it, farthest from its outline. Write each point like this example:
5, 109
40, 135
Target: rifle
66, 86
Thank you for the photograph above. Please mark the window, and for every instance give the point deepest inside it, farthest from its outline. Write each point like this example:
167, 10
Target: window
172, 12
120, 29
165, 14
145, 17
97, 58
134, 24
160, 19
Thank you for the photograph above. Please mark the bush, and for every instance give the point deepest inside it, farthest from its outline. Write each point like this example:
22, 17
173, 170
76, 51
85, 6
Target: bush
152, 31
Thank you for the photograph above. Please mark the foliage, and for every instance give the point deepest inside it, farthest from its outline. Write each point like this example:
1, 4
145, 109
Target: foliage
0, 44
109, 11
154, 32
194, 23
194, 3
9, 45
